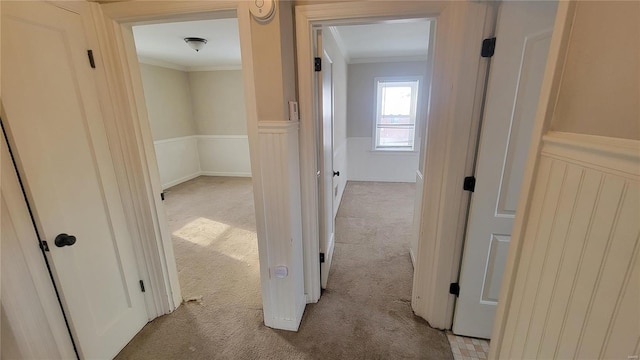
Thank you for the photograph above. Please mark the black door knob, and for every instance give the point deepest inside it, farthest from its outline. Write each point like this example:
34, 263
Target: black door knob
65, 240
336, 173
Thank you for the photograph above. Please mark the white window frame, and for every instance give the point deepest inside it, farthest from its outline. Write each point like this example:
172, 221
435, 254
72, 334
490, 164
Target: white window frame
413, 81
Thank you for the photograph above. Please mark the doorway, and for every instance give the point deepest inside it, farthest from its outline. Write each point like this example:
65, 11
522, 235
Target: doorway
453, 116
372, 105
192, 78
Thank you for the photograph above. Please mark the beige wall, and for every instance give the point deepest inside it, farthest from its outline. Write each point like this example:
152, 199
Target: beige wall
600, 89
361, 92
218, 104
168, 99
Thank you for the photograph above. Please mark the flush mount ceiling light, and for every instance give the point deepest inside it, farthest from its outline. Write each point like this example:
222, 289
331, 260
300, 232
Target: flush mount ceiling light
195, 43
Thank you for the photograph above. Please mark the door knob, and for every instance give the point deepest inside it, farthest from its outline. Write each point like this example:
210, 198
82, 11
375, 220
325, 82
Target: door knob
336, 173
65, 240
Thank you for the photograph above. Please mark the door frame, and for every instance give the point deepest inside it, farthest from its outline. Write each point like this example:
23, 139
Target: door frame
130, 133
450, 149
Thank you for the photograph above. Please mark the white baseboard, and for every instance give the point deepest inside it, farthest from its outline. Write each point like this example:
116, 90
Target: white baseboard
180, 181
222, 173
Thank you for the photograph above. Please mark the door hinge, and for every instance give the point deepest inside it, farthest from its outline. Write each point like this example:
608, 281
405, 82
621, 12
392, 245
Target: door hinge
469, 183
454, 289
44, 246
488, 47
162, 196
142, 286
92, 62
321, 257
317, 64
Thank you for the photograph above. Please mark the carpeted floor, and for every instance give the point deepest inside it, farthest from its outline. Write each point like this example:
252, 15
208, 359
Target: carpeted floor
365, 313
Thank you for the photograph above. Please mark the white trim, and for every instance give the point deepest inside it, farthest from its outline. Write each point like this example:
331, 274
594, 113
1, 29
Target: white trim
214, 68
161, 63
387, 59
175, 139
181, 180
341, 46
613, 155
221, 136
221, 173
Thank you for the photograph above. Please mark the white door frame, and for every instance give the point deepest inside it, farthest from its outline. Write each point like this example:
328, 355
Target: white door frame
130, 133
452, 125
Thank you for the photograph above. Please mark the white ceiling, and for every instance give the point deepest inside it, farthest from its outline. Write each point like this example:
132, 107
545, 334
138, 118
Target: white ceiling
384, 41
163, 44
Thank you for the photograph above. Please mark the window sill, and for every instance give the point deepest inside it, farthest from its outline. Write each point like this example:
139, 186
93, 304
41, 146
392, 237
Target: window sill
394, 152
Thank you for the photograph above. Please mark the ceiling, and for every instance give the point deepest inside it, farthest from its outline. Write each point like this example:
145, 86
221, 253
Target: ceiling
384, 41
163, 44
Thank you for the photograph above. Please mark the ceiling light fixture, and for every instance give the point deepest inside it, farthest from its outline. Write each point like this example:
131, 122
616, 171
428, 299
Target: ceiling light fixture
195, 43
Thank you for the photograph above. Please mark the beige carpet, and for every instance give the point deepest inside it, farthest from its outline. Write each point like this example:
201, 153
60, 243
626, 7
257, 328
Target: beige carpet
364, 314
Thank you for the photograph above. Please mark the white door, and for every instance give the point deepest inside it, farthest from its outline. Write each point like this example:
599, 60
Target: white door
56, 129
523, 34
325, 112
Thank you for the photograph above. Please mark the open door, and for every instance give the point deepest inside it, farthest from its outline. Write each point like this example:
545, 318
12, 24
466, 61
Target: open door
56, 130
325, 160
523, 36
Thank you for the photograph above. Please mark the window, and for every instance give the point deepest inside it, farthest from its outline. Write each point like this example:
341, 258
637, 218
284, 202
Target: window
395, 122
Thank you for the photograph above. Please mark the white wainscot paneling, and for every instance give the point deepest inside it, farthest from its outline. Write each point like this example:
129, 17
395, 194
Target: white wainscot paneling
177, 160
364, 164
576, 293
224, 155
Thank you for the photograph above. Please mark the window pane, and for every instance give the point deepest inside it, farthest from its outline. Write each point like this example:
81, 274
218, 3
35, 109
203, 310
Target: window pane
396, 119
396, 100
395, 137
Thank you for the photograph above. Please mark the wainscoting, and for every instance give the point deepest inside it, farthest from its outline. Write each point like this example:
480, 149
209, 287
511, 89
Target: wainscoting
365, 164
578, 279
184, 158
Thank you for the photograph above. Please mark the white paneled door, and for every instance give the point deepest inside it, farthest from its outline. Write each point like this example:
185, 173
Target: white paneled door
523, 35
325, 164
56, 129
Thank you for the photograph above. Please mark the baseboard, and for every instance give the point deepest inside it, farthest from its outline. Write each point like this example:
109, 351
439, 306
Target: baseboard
180, 181
222, 173
382, 180
284, 324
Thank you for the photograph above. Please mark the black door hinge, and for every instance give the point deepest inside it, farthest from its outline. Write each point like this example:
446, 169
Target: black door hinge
162, 196
44, 246
92, 62
142, 285
317, 64
488, 47
321, 257
469, 183
454, 289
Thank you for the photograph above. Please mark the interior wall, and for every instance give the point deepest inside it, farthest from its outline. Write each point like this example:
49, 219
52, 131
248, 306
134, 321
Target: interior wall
217, 98
364, 164
339, 69
600, 91
211, 137
168, 98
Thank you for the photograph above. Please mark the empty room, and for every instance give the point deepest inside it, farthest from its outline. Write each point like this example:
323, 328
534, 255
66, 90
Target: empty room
192, 79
